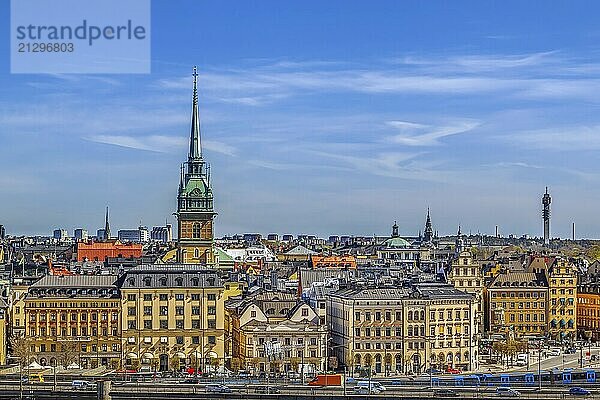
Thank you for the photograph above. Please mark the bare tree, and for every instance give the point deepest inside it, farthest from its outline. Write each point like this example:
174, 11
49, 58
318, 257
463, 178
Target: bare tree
68, 354
21, 349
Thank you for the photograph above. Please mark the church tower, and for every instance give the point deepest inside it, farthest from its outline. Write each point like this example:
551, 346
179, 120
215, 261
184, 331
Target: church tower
195, 212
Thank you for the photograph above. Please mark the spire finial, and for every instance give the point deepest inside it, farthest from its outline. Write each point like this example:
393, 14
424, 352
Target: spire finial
195, 146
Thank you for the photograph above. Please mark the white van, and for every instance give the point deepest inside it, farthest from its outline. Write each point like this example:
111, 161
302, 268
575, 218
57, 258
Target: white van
554, 351
366, 387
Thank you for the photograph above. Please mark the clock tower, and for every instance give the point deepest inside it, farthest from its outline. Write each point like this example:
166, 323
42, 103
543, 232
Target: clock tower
195, 213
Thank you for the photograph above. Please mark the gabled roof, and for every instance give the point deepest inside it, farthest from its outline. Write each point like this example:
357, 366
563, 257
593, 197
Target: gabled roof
300, 251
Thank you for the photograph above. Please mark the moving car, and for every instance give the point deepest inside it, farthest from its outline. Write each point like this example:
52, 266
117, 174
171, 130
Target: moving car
445, 393
267, 389
453, 371
579, 391
218, 388
505, 391
80, 385
366, 387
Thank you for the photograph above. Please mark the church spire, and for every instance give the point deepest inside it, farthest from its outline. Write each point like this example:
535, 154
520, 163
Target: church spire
428, 235
106, 226
195, 146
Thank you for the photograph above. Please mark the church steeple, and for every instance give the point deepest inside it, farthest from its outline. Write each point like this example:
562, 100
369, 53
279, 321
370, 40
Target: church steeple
195, 153
195, 211
106, 226
428, 234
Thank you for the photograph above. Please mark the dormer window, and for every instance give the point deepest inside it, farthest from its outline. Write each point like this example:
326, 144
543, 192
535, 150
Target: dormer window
163, 281
179, 281
131, 281
195, 282
147, 281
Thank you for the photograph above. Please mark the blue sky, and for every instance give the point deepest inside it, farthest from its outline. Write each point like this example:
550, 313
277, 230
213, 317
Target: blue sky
322, 117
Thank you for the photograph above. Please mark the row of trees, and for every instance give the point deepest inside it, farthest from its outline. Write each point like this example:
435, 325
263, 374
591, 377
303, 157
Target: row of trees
509, 348
23, 349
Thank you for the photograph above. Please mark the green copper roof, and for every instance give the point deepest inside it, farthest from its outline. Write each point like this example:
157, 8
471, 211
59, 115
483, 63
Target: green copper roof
396, 242
197, 188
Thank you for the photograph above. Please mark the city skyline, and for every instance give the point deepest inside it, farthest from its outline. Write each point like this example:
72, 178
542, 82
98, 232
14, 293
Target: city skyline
342, 132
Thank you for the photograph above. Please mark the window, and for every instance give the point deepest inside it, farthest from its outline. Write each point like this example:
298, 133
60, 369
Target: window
196, 230
163, 297
164, 310
179, 297
212, 310
131, 297
212, 340
164, 324
131, 324
212, 323
377, 316
179, 339
357, 332
252, 314
211, 297
147, 310
195, 324
388, 316
179, 324
147, 324
196, 310
305, 312
131, 311
179, 310
398, 316
195, 339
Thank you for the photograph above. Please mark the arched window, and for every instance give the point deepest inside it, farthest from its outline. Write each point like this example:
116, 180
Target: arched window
410, 315
422, 315
196, 230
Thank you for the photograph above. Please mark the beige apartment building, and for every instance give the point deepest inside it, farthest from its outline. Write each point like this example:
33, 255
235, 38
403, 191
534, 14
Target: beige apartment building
465, 274
275, 331
403, 330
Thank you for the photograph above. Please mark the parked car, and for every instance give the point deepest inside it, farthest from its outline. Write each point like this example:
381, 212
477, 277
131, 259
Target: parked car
579, 391
571, 350
445, 393
432, 371
505, 391
218, 388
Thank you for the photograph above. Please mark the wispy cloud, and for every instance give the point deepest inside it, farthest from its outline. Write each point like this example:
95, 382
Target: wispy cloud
413, 134
569, 138
542, 75
160, 143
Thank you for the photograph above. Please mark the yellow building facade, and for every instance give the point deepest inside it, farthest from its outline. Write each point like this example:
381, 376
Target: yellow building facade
81, 309
173, 317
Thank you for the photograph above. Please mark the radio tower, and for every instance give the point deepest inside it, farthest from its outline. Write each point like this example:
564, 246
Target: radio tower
546, 200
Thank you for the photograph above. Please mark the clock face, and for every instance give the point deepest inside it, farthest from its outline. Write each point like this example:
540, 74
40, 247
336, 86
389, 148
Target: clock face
196, 193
